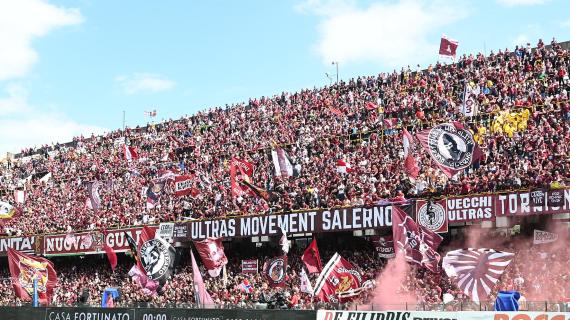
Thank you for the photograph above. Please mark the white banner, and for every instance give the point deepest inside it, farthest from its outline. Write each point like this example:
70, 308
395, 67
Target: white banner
430, 315
544, 237
166, 230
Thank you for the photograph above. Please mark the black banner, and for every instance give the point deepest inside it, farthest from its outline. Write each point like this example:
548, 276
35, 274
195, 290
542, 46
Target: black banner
331, 220
85, 313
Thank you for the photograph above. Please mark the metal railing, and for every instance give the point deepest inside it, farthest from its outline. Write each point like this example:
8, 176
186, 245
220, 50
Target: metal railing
536, 306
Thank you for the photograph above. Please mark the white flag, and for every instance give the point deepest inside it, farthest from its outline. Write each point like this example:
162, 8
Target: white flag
284, 242
541, 237
470, 105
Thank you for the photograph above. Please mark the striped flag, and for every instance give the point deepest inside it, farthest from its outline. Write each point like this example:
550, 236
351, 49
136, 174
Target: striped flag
282, 163
476, 270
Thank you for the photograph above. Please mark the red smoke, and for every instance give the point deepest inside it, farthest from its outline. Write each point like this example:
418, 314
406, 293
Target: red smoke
388, 294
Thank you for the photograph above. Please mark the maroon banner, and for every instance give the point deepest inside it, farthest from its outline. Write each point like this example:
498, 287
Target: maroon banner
432, 215
249, 266
470, 208
329, 220
384, 246
275, 271
535, 202
90, 242
21, 244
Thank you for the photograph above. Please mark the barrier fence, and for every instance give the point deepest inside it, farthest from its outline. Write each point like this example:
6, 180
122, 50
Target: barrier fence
86, 313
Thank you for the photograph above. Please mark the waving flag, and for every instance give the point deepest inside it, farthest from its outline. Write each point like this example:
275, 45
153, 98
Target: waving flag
448, 47
284, 242
203, 298
93, 193
343, 166
240, 170
130, 153
306, 285
410, 163
339, 281
156, 256
245, 286
476, 270
470, 106
25, 269
282, 163
312, 259
7, 211
451, 146
275, 271
111, 256
418, 243
212, 253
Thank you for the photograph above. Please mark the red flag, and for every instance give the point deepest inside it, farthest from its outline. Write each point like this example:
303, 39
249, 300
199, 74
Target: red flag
407, 142
111, 256
24, 269
337, 112
275, 271
411, 166
451, 147
418, 244
370, 106
312, 258
477, 270
339, 281
240, 170
448, 47
211, 252
202, 296
183, 185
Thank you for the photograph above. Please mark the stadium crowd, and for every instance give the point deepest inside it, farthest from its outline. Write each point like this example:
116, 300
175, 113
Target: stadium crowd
522, 128
420, 290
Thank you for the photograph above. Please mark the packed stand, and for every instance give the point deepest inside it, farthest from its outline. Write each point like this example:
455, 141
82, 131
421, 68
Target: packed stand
522, 129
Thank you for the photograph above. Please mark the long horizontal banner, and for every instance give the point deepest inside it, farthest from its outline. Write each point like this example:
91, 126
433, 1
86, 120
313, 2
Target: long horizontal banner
86, 313
89, 242
340, 219
431, 315
534, 202
22, 244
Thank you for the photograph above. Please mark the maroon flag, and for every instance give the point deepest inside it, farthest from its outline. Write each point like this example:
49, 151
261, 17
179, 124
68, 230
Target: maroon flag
418, 244
339, 281
240, 170
275, 271
24, 269
203, 298
448, 47
312, 259
411, 166
451, 146
183, 185
476, 270
111, 256
211, 252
